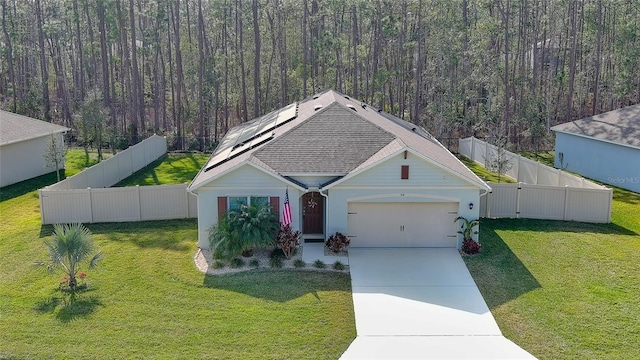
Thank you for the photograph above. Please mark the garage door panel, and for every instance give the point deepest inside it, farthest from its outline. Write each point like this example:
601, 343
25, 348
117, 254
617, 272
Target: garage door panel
402, 224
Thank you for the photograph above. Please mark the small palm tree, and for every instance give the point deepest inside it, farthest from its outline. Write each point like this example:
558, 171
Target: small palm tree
70, 245
255, 224
224, 239
243, 229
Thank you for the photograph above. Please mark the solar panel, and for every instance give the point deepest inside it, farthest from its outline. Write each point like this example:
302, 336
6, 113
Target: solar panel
251, 134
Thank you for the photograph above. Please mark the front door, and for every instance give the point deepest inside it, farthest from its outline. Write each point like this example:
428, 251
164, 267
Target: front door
312, 213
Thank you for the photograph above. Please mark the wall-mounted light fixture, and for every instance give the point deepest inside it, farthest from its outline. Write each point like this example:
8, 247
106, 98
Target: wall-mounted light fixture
470, 206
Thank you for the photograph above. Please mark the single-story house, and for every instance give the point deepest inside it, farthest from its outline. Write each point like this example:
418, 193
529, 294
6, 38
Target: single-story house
23, 142
344, 166
603, 147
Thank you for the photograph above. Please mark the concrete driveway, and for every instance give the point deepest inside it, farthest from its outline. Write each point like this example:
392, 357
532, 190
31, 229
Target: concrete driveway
421, 304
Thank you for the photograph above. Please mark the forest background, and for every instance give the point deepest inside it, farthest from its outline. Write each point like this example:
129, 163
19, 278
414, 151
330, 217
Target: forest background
117, 71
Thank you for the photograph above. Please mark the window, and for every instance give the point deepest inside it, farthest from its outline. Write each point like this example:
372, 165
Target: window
231, 203
235, 202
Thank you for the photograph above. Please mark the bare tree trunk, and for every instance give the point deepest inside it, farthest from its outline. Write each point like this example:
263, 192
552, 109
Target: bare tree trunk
94, 66
596, 86
355, 43
138, 95
201, 74
305, 50
376, 50
7, 39
105, 60
415, 117
243, 75
128, 94
256, 61
63, 90
43, 64
572, 60
179, 73
282, 45
80, 68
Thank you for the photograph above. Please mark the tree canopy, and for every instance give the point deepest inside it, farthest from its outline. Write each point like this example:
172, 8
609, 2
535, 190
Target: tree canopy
190, 69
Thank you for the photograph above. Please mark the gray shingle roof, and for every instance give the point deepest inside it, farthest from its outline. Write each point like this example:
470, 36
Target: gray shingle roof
15, 128
333, 134
333, 141
620, 126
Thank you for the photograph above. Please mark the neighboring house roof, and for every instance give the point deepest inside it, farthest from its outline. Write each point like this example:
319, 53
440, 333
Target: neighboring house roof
327, 134
15, 128
620, 126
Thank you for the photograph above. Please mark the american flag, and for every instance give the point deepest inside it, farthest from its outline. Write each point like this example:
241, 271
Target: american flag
286, 210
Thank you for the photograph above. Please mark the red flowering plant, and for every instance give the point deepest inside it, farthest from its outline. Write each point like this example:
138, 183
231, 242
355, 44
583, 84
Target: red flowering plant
287, 240
469, 246
337, 242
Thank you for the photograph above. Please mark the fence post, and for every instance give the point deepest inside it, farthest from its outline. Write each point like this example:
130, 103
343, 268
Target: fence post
610, 204
90, 205
42, 219
519, 167
472, 146
518, 200
186, 199
565, 215
488, 207
139, 203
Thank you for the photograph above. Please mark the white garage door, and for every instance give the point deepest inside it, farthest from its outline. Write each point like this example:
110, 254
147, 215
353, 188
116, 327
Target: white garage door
402, 224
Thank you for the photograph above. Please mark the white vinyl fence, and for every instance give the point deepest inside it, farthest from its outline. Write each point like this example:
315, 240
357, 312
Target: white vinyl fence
139, 203
542, 192
87, 198
114, 169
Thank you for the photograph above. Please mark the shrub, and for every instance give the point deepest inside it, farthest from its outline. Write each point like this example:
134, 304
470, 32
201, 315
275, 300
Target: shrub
247, 253
298, 263
337, 242
466, 229
470, 247
217, 254
318, 264
287, 240
243, 229
276, 262
254, 263
276, 253
236, 263
218, 264
338, 265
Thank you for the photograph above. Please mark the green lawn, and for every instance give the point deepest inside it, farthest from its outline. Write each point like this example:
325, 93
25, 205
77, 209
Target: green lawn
565, 290
76, 160
561, 290
543, 157
147, 299
483, 173
172, 169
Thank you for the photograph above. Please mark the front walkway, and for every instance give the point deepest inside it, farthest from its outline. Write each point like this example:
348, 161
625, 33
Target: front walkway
421, 303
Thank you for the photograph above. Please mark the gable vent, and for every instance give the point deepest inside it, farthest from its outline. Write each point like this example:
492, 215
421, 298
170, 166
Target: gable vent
351, 107
317, 107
